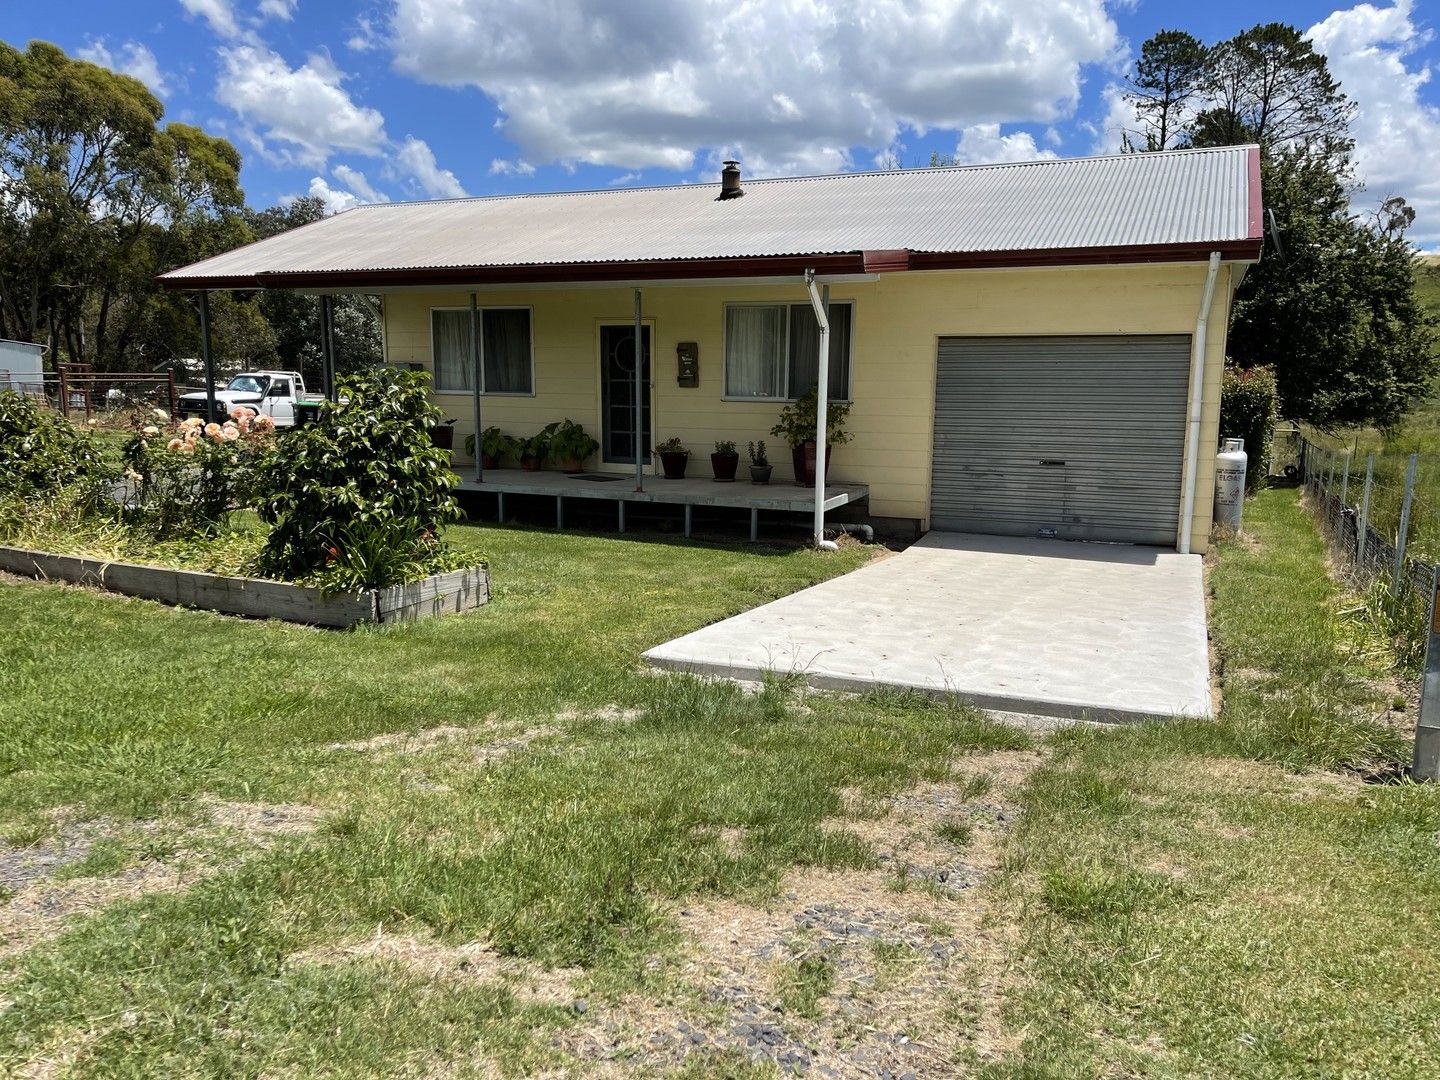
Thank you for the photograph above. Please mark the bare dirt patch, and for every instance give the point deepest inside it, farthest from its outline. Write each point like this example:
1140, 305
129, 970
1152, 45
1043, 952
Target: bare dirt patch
912, 966
262, 822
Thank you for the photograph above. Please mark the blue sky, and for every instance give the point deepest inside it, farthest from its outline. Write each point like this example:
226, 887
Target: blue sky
361, 100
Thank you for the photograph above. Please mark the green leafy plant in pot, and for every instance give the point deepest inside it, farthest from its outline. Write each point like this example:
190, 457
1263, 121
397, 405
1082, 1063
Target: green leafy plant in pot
724, 461
535, 449
570, 445
673, 458
495, 447
759, 464
797, 427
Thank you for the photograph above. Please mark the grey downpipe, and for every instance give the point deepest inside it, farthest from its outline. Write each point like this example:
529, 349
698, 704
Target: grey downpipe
1197, 404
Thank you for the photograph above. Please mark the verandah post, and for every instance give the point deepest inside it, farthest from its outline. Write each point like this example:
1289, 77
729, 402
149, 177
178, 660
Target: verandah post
208, 357
475, 379
639, 406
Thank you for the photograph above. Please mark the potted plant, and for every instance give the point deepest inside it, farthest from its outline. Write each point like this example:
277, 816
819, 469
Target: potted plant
443, 434
759, 464
724, 461
495, 447
797, 428
673, 458
535, 449
570, 445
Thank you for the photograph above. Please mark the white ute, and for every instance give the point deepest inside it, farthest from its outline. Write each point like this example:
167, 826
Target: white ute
270, 393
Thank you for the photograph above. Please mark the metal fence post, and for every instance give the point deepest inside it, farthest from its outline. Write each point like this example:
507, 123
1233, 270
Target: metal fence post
1363, 525
1345, 483
1404, 525
1426, 763
1329, 480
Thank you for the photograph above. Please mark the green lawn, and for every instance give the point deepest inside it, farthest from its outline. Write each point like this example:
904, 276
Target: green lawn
495, 845
1192, 906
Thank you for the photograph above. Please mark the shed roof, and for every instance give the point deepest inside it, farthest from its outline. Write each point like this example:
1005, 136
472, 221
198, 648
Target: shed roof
1171, 206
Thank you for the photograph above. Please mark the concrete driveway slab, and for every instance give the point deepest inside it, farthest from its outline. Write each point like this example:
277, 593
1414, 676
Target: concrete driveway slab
1085, 631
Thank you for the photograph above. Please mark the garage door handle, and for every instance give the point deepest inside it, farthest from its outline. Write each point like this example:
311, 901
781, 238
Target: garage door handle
1050, 461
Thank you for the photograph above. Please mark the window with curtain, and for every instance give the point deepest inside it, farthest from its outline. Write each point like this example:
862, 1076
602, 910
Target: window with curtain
772, 350
505, 351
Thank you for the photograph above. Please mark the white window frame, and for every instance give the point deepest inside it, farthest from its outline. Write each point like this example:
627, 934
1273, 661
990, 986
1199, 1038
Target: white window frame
435, 367
787, 305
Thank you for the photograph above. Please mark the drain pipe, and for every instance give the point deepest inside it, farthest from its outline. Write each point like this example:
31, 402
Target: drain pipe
1197, 405
822, 407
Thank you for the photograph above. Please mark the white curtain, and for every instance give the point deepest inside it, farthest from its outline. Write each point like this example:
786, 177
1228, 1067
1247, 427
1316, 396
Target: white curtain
805, 349
451, 337
755, 351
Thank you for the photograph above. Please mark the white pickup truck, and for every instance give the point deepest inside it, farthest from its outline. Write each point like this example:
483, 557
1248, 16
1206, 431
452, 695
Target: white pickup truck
271, 393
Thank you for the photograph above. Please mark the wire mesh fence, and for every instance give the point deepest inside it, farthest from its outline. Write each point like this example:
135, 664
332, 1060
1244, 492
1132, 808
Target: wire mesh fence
1379, 514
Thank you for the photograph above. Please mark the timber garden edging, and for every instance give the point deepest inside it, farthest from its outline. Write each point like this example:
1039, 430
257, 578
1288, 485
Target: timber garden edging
441, 594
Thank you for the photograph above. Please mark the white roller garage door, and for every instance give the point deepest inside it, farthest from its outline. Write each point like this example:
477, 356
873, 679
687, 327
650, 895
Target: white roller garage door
1079, 438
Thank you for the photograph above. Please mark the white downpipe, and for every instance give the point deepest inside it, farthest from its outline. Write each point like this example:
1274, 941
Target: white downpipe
1197, 394
822, 407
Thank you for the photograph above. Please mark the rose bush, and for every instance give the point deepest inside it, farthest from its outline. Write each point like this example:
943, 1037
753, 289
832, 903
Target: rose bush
187, 480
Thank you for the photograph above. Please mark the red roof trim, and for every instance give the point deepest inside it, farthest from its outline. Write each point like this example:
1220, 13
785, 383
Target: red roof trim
720, 269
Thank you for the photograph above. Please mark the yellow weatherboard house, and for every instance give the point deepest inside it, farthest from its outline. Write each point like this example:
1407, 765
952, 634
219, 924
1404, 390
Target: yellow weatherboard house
1029, 349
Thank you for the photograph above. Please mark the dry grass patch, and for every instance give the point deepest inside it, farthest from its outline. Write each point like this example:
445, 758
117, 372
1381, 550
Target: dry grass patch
421, 954
854, 973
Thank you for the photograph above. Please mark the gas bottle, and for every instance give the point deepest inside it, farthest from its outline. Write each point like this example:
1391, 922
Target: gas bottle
1230, 465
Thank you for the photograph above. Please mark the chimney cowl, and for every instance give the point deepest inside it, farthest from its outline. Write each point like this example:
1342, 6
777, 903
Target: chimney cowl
730, 181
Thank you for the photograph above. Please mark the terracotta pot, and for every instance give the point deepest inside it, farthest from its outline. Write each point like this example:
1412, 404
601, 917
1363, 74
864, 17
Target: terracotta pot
489, 461
571, 465
724, 466
674, 465
760, 474
531, 464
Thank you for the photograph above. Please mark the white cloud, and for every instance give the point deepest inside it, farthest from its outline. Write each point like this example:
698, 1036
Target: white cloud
1397, 135
284, 10
365, 36
625, 179
219, 14
299, 115
416, 161
131, 58
336, 199
789, 85
506, 167
357, 182
982, 144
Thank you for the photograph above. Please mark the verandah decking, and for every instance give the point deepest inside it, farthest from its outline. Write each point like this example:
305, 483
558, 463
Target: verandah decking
689, 493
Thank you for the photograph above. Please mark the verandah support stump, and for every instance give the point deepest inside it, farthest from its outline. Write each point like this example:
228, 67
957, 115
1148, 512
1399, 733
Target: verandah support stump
754, 524
621, 504
689, 519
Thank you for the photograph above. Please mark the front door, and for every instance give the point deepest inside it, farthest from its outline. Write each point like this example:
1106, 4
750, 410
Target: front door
617, 394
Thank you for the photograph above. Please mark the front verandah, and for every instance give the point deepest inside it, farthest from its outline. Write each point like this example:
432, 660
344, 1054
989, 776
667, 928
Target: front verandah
621, 489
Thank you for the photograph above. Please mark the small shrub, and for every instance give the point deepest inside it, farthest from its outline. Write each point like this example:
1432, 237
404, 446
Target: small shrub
1247, 411
357, 498
42, 452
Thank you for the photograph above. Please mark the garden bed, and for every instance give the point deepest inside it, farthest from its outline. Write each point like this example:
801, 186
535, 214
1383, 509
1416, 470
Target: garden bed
440, 594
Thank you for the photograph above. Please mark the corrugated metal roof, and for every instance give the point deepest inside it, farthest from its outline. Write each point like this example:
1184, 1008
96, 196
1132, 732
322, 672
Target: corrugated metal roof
1189, 197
